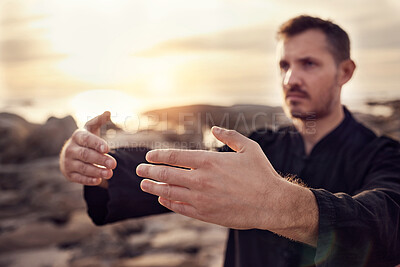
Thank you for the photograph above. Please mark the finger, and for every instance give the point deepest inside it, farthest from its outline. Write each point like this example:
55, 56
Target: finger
179, 207
83, 179
95, 123
233, 139
88, 139
91, 170
171, 192
177, 157
166, 174
93, 157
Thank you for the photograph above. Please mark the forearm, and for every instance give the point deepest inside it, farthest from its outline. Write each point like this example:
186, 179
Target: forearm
296, 214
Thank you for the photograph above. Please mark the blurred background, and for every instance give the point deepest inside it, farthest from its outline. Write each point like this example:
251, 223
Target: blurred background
75, 57
179, 66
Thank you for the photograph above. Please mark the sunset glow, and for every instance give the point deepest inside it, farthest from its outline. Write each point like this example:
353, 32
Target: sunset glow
176, 52
89, 104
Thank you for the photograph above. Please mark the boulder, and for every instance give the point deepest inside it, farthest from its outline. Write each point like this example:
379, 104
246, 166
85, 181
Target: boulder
14, 130
21, 141
158, 260
48, 139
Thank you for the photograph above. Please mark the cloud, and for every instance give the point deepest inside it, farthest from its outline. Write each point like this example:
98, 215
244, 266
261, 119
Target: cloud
25, 49
377, 34
13, 21
253, 39
366, 30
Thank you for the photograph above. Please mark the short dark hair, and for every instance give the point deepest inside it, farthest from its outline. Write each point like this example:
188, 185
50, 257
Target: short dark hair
337, 38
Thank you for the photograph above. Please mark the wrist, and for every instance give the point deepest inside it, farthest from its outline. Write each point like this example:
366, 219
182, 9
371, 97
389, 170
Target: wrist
294, 213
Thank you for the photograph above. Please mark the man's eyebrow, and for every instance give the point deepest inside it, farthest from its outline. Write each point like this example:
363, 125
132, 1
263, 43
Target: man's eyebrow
307, 58
284, 62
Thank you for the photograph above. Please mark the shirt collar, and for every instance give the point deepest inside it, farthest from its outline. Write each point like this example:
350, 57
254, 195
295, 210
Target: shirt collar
332, 139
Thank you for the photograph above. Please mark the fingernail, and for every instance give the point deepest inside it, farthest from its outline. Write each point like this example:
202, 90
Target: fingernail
109, 163
144, 185
140, 169
104, 174
149, 154
216, 129
102, 148
96, 181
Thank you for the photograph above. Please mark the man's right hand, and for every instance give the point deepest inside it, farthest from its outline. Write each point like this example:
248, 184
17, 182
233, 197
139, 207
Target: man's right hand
83, 158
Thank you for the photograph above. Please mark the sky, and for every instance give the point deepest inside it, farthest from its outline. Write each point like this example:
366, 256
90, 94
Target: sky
61, 57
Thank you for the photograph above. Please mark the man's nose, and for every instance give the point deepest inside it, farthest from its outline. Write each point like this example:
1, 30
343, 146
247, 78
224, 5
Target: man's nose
291, 78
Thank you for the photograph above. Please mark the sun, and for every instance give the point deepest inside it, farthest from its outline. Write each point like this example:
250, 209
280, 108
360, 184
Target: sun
123, 107
160, 79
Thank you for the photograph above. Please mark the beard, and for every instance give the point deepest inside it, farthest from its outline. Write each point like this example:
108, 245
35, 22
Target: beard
309, 108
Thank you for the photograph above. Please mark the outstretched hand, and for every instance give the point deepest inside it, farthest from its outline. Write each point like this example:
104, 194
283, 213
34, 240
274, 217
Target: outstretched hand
235, 189
83, 158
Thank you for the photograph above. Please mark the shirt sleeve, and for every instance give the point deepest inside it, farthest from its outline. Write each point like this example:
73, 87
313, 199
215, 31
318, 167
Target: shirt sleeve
123, 199
363, 229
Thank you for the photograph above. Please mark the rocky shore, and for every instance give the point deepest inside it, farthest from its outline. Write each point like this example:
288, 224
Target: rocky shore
43, 219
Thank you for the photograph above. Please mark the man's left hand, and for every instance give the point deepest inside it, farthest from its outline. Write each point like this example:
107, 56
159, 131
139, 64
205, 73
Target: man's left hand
237, 189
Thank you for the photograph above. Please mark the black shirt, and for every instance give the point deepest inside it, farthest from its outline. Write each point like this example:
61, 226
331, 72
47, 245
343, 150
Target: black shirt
354, 175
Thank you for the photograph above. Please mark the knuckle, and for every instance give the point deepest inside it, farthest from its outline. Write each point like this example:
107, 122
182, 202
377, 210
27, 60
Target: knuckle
84, 154
96, 144
77, 135
163, 174
206, 162
83, 168
98, 173
255, 145
167, 191
181, 209
85, 139
204, 183
172, 157
69, 151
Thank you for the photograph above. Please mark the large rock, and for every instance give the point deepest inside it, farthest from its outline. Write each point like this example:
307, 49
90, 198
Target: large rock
158, 260
385, 125
14, 130
47, 139
178, 239
21, 140
36, 258
40, 234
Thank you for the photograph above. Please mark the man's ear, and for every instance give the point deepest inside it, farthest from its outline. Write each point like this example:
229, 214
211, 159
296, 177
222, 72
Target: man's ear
346, 70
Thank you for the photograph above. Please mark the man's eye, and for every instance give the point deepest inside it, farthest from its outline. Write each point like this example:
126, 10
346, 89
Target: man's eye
284, 66
309, 63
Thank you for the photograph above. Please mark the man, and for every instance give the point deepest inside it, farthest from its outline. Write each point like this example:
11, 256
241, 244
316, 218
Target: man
347, 215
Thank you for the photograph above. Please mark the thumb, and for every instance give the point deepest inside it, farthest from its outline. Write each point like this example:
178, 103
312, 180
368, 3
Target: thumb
232, 138
94, 124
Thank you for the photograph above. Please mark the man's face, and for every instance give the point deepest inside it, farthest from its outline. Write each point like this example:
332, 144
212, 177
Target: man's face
309, 75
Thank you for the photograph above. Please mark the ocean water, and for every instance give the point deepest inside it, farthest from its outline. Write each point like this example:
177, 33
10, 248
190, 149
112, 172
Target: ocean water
39, 109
